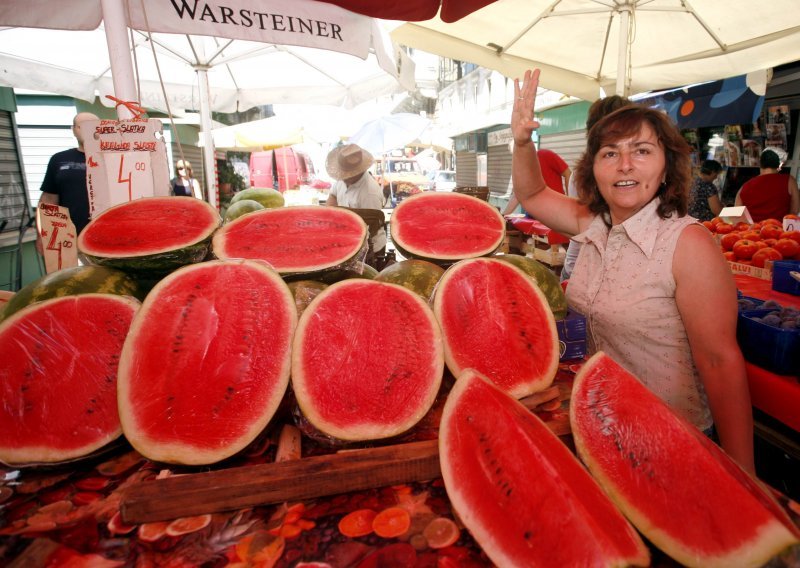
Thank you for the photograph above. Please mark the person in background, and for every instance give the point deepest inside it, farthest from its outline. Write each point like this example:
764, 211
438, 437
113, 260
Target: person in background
65, 179
704, 202
184, 183
355, 187
771, 194
556, 173
598, 110
656, 291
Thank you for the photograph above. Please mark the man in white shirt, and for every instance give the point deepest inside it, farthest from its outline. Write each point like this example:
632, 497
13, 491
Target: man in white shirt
355, 188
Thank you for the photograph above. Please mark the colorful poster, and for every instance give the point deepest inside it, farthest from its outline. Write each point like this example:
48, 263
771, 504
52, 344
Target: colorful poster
779, 114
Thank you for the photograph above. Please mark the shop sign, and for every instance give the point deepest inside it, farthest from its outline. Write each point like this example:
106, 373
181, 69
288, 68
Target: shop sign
499, 137
57, 234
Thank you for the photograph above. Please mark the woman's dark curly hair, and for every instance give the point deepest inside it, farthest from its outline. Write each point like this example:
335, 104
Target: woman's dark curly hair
627, 121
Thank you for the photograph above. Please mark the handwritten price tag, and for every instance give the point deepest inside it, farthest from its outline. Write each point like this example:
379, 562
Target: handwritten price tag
58, 237
791, 223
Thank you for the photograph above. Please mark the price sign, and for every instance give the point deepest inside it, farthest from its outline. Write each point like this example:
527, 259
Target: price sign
125, 160
57, 233
791, 223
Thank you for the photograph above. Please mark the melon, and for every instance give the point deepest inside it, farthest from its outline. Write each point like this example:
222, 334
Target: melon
58, 400
353, 269
367, 360
241, 207
304, 291
674, 484
152, 234
522, 494
446, 227
419, 276
73, 281
495, 320
545, 278
268, 198
294, 240
206, 362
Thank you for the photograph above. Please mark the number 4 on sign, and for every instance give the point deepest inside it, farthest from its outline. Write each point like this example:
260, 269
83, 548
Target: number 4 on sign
138, 166
56, 229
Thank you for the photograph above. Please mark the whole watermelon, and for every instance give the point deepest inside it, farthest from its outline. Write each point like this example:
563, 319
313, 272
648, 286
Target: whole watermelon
419, 276
266, 196
545, 278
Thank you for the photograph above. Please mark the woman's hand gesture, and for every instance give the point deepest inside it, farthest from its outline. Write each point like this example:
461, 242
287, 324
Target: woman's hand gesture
522, 122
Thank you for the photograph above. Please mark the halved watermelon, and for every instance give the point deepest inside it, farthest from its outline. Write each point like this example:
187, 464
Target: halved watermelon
156, 234
675, 485
446, 227
294, 240
58, 372
495, 320
206, 362
521, 493
367, 360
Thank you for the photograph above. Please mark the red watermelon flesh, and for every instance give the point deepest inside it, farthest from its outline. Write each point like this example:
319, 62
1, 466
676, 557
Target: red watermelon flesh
367, 360
149, 226
519, 490
496, 320
676, 486
294, 239
446, 227
206, 362
58, 377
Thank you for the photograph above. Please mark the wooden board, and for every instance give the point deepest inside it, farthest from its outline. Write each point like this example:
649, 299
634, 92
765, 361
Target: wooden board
293, 480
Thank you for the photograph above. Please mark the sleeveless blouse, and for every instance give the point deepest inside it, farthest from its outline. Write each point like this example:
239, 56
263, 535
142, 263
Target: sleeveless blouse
623, 283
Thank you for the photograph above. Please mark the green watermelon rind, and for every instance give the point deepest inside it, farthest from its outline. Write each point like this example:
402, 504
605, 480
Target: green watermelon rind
767, 542
544, 278
523, 388
420, 276
188, 454
411, 251
44, 456
485, 530
373, 432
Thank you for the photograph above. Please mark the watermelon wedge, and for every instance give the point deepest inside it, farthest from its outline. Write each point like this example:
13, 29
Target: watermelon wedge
58, 371
675, 485
152, 234
446, 227
367, 360
519, 490
206, 362
294, 240
496, 320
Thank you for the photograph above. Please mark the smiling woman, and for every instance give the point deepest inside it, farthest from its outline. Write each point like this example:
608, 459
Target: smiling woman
657, 293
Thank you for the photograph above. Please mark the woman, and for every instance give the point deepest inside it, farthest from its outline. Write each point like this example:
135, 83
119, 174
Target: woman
184, 184
657, 293
771, 194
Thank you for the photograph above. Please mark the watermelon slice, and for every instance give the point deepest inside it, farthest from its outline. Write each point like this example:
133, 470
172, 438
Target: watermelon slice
521, 493
495, 320
294, 240
152, 234
58, 399
675, 485
367, 360
206, 362
446, 227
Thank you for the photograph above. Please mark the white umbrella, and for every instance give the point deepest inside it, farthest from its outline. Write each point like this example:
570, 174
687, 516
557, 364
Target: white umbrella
390, 132
626, 46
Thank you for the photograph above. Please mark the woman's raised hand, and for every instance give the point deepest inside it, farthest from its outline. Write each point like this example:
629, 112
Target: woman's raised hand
522, 122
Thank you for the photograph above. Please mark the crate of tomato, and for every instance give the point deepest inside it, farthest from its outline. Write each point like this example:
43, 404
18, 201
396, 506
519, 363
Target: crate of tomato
755, 245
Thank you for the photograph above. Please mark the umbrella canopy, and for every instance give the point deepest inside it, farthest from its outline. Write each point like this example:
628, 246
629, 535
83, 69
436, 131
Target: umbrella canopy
273, 132
390, 132
413, 10
623, 46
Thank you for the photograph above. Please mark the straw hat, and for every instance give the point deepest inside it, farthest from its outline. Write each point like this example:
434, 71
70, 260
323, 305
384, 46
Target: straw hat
348, 161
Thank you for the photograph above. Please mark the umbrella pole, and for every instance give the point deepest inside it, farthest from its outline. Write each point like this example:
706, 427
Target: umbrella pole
119, 55
209, 162
622, 49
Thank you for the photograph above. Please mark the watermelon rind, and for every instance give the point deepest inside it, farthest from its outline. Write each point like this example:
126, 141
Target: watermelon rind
367, 360
419, 276
59, 369
296, 241
132, 237
206, 362
71, 282
522, 494
446, 227
496, 320
677, 487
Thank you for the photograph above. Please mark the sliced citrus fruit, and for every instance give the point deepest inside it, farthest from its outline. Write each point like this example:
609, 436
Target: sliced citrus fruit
186, 525
391, 522
357, 523
441, 532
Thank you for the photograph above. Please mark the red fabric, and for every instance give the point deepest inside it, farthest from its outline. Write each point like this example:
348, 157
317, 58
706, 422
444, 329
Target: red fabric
767, 196
777, 395
762, 289
412, 10
552, 168
531, 226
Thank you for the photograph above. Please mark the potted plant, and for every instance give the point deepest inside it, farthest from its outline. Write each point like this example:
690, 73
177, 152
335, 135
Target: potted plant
230, 181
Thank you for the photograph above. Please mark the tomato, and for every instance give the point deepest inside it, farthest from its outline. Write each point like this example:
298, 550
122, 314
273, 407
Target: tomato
744, 249
765, 254
794, 235
724, 228
716, 221
727, 241
770, 231
772, 222
770, 242
761, 245
742, 226
787, 247
751, 236
791, 217
729, 256
709, 225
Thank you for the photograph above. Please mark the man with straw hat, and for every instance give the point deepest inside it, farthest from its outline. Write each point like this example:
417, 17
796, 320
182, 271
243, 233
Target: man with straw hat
355, 187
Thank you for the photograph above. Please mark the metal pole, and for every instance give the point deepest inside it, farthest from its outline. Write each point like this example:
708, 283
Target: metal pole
209, 162
116, 28
622, 49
